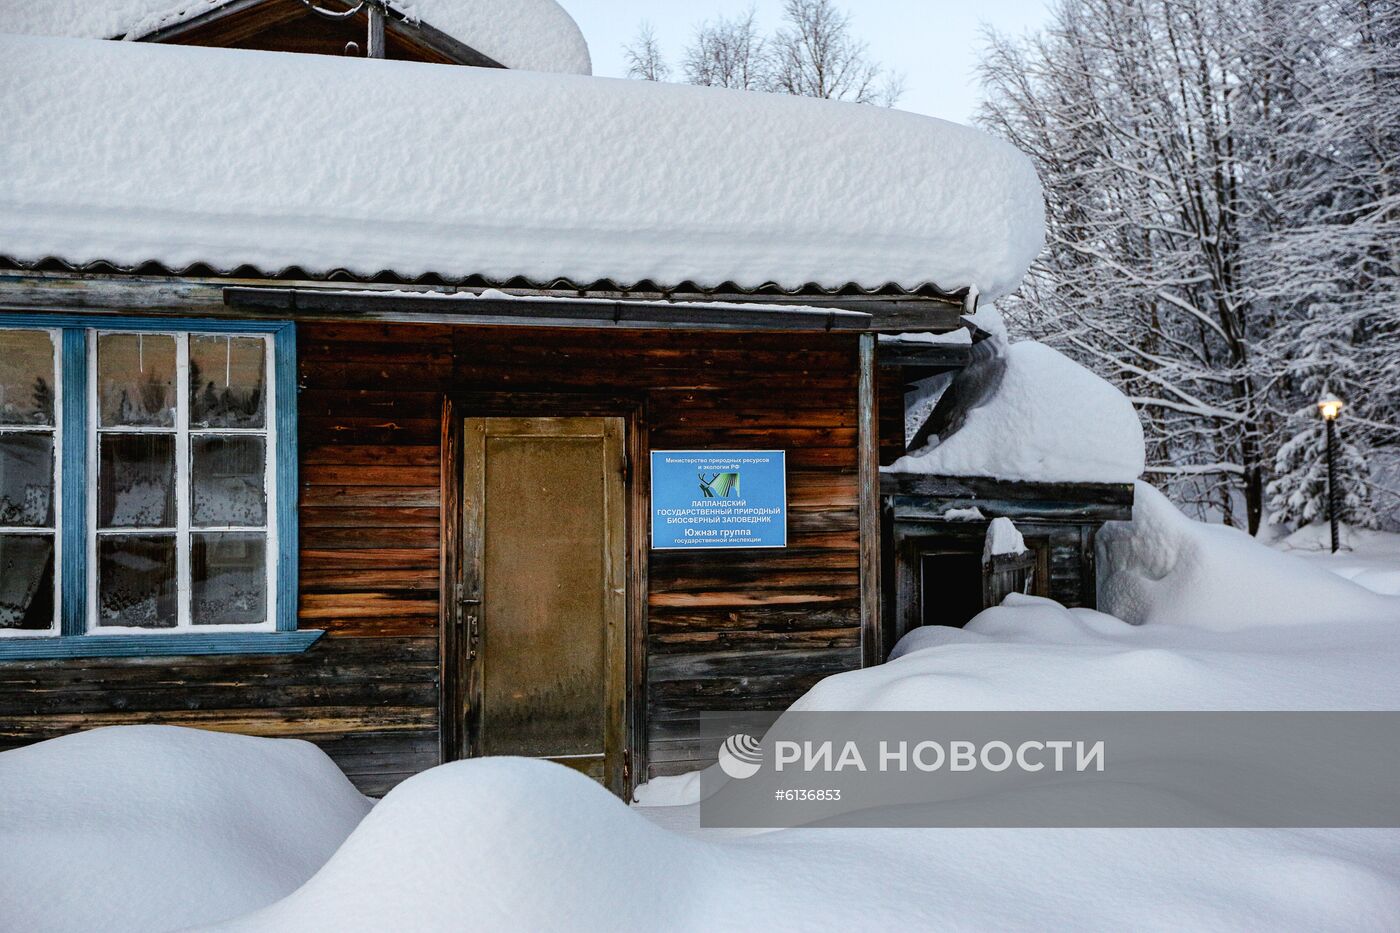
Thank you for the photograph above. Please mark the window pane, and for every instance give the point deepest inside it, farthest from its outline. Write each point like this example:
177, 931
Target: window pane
26, 377
136, 379
26, 480
136, 481
228, 579
136, 581
227, 481
26, 582
226, 381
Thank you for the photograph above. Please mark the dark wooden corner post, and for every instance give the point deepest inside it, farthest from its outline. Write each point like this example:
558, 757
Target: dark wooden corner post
868, 477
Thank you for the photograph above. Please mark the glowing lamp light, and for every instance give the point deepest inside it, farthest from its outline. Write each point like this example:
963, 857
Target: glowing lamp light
1331, 407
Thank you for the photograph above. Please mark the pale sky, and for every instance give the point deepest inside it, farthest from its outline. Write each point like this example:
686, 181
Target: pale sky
934, 42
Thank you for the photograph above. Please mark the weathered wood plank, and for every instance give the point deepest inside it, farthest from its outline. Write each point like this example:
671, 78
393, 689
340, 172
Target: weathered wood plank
354, 561
403, 497
332, 538
279, 722
384, 517
750, 619
705, 640
391, 474
350, 454
667, 668
868, 457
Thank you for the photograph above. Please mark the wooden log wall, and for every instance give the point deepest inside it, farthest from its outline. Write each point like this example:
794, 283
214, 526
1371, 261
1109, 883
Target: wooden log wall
725, 629
367, 691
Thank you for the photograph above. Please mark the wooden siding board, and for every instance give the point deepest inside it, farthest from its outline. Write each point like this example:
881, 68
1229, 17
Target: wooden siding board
737, 630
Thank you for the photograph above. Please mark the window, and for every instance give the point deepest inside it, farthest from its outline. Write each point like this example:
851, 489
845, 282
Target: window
147, 484
29, 368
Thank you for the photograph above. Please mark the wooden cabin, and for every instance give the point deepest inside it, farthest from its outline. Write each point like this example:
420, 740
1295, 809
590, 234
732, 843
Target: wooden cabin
412, 491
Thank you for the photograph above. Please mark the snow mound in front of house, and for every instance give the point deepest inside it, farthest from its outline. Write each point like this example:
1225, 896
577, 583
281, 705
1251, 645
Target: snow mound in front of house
531, 35
1034, 654
497, 844
157, 828
1049, 420
1162, 567
511, 844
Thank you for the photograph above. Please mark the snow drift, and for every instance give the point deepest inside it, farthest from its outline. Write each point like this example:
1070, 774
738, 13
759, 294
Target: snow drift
149, 828
509, 844
1049, 420
1162, 567
499, 843
533, 35
129, 152
1368, 558
1034, 654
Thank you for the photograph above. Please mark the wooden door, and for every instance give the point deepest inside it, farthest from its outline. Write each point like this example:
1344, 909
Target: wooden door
544, 589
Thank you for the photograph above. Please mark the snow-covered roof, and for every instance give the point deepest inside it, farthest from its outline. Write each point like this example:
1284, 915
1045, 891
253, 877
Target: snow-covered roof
130, 152
532, 35
1049, 420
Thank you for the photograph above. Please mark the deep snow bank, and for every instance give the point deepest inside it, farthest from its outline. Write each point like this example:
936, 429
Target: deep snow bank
1368, 558
1050, 420
148, 828
1162, 567
1034, 654
533, 35
495, 844
510, 844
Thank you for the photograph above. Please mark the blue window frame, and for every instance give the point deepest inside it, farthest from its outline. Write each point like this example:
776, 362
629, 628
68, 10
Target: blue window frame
148, 477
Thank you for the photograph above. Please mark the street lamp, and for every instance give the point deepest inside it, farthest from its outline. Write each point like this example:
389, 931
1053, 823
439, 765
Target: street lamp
1331, 408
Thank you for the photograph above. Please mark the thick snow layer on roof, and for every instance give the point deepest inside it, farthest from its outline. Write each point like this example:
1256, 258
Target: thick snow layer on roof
159, 828
533, 35
129, 152
1050, 420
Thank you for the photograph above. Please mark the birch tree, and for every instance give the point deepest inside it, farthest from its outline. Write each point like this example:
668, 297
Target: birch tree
814, 53
1220, 227
729, 53
644, 58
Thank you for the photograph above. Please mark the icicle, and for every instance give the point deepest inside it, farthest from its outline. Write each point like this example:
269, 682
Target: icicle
228, 362
141, 353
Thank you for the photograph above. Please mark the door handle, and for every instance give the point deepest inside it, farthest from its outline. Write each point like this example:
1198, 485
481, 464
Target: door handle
473, 635
468, 616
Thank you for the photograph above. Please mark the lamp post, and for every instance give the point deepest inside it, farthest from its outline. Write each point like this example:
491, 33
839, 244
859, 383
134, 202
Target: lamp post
1331, 407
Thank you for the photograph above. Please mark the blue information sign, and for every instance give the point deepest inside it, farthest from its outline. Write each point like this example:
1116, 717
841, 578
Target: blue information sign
718, 499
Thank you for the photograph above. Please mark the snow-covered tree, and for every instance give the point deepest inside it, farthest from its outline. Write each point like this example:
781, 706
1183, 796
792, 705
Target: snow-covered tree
1221, 227
1330, 258
728, 53
644, 58
814, 53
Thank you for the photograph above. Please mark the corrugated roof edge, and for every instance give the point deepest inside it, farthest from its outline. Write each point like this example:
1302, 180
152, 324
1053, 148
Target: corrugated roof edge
810, 291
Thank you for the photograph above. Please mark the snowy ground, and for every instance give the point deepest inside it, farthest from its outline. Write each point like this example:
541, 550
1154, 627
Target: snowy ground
1370, 558
508, 844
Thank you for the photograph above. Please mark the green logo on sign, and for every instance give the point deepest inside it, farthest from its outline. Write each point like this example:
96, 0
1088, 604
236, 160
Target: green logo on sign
720, 485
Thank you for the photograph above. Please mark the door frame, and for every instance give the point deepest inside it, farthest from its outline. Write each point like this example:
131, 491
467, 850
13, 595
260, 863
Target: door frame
456, 722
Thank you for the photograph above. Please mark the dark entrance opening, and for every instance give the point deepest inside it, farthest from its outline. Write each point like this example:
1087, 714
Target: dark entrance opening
950, 586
